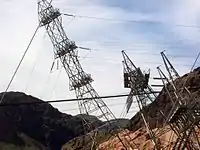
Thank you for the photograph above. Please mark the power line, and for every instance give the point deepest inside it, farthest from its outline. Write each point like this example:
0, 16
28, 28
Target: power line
143, 62
139, 53
141, 46
33, 68
20, 62
131, 21
143, 53
117, 104
55, 83
191, 69
68, 100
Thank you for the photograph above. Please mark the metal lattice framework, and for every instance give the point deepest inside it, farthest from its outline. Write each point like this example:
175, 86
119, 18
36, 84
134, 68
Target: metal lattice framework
173, 74
185, 123
66, 51
138, 83
184, 117
169, 67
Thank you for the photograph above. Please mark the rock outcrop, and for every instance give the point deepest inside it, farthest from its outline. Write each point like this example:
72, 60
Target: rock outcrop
41, 122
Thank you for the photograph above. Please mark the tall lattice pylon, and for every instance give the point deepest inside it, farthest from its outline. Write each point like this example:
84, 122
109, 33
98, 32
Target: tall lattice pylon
169, 67
184, 117
138, 83
66, 51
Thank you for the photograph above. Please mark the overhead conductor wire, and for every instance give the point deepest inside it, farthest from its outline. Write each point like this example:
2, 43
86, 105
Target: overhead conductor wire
20, 62
131, 21
69, 100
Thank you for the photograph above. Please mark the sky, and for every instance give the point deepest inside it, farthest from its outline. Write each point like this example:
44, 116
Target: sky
143, 42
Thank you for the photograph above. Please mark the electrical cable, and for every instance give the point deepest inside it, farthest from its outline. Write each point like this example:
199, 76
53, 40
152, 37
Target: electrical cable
45, 85
143, 62
123, 113
139, 47
70, 22
131, 21
32, 70
69, 100
184, 84
179, 41
86, 55
175, 56
55, 84
195, 61
73, 109
138, 53
31, 73
18, 66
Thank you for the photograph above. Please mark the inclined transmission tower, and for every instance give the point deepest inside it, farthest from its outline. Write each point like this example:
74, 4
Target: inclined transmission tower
184, 118
137, 81
66, 51
169, 67
172, 73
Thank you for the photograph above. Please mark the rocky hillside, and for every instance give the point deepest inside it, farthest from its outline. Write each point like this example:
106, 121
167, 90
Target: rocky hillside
41, 126
163, 102
139, 139
40, 122
85, 142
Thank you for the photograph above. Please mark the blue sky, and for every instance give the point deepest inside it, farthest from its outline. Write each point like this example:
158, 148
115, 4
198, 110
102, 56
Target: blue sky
107, 39
144, 6
161, 11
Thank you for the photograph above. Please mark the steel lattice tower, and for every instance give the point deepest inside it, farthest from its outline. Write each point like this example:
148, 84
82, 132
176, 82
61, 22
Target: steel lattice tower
184, 117
138, 83
66, 51
169, 67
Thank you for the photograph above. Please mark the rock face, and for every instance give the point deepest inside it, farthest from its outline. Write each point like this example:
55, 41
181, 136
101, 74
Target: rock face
163, 102
138, 140
44, 124
139, 137
41, 122
85, 142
